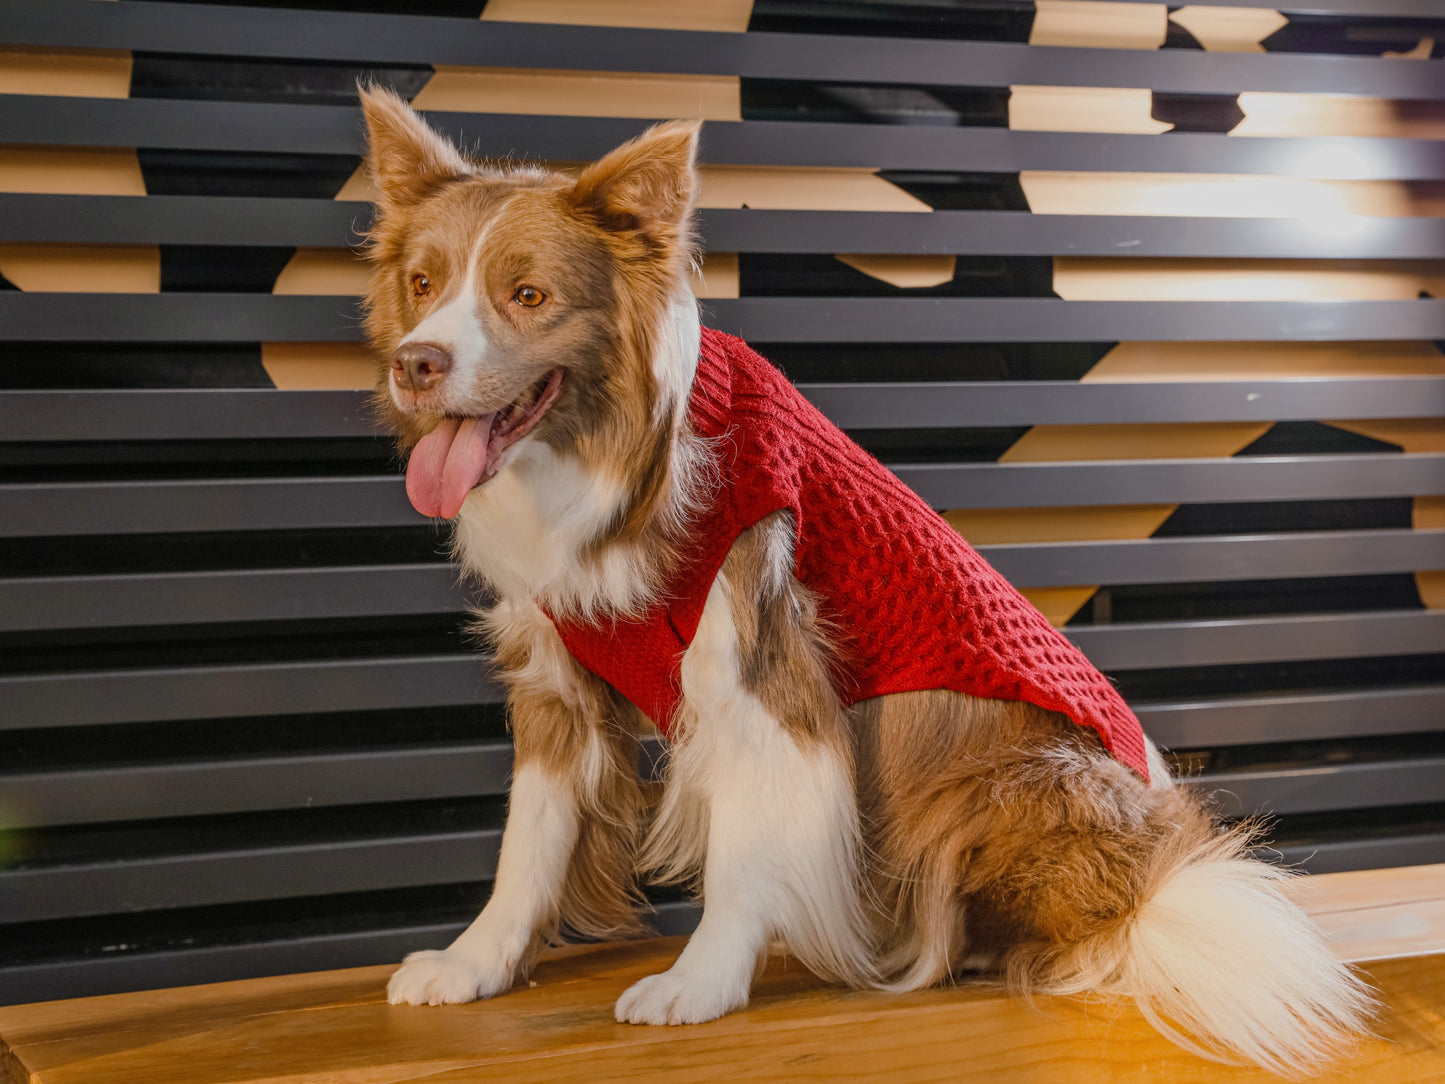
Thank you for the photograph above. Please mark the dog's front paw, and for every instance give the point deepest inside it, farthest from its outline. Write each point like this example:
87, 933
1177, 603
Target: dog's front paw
670, 998
444, 978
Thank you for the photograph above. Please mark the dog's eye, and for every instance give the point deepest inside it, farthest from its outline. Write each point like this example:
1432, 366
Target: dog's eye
529, 296
420, 285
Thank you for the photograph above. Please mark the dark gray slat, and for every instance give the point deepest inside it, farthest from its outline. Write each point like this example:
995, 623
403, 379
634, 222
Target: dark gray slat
214, 220
254, 784
260, 873
942, 404
261, 413
204, 317
1253, 720
1239, 557
257, 32
327, 129
183, 598
231, 505
917, 320
109, 973
183, 414
1337, 787
1155, 645
1340, 856
105, 697
215, 692
102, 508
1020, 233
182, 220
1145, 481
1409, 9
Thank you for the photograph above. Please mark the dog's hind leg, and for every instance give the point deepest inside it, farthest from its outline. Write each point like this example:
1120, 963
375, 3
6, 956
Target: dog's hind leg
571, 822
760, 795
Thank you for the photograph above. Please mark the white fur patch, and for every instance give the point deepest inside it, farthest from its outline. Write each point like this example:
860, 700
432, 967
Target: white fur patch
778, 826
541, 832
525, 530
1225, 965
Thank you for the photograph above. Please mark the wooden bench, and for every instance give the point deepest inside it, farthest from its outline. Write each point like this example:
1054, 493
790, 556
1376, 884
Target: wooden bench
336, 1027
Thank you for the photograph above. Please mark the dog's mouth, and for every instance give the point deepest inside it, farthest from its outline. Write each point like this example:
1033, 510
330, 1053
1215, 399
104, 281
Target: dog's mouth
463, 453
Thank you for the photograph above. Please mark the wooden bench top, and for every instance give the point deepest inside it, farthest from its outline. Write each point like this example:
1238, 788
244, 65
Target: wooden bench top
336, 1027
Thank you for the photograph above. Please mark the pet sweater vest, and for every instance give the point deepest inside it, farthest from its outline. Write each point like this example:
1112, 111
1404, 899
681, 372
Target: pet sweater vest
915, 607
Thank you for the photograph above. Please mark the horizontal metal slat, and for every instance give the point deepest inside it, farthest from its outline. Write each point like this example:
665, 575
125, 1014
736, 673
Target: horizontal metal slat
199, 317
182, 598
238, 504
1335, 787
940, 404
1142, 481
240, 220
1254, 720
161, 123
261, 413
213, 692
254, 784
1373, 852
1239, 557
1153, 645
102, 697
1408, 9
105, 973
126, 414
337, 36
279, 872
101, 508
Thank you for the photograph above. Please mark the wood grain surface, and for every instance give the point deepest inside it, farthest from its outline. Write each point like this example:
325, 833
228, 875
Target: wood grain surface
336, 1028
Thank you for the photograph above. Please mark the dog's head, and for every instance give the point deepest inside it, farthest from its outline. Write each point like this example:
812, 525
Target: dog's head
519, 304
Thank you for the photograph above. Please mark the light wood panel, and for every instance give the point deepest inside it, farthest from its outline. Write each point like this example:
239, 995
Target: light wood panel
582, 93
1098, 24
336, 1027
66, 73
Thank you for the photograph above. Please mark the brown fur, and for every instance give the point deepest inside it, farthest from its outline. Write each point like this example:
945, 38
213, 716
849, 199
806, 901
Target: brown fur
601, 897
783, 649
617, 240
995, 834
1003, 829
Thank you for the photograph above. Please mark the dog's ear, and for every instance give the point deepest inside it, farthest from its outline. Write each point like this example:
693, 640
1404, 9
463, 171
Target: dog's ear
647, 183
407, 158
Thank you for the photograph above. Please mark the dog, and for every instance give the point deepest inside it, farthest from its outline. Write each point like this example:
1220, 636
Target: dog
619, 477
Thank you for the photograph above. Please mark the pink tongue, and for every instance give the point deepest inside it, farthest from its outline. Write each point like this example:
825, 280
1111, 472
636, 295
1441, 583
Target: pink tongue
447, 464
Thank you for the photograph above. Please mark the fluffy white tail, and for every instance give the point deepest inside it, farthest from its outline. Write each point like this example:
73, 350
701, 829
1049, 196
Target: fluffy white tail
1224, 964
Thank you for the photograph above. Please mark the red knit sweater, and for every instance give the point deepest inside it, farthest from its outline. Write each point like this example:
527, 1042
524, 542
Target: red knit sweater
916, 606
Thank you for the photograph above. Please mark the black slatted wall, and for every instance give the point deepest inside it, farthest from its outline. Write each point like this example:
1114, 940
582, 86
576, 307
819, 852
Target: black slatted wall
241, 728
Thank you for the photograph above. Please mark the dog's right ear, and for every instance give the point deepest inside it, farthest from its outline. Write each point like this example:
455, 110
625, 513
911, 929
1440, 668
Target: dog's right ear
408, 159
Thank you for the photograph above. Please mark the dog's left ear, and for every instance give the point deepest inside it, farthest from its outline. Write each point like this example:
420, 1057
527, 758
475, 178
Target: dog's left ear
647, 183
407, 157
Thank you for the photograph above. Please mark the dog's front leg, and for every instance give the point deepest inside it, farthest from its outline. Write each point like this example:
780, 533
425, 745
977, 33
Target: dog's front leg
571, 822
762, 781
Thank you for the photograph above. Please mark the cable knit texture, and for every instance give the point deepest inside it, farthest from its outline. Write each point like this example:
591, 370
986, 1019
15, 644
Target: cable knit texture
916, 607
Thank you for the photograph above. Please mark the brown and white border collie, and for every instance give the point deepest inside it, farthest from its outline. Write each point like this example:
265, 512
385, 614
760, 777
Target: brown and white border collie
538, 340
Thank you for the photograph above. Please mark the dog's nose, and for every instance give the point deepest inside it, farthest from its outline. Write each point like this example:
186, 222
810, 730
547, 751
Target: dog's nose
418, 366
